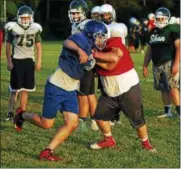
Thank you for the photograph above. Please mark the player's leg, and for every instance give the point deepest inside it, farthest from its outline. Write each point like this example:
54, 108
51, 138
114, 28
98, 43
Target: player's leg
175, 92
52, 103
70, 113
16, 78
24, 99
160, 84
133, 109
92, 103
11, 105
103, 114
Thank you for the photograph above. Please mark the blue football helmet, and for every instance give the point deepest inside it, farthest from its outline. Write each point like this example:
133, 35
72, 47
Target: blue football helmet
97, 33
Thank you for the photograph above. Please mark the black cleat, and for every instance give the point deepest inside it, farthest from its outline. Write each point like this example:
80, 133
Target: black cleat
18, 120
10, 116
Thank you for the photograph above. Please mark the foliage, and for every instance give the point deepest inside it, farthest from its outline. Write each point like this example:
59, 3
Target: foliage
21, 149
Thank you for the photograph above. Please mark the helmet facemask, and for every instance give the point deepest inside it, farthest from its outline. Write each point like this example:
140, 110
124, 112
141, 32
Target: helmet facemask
106, 17
162, 17
25, 20
76, 16
100, 40
95, 16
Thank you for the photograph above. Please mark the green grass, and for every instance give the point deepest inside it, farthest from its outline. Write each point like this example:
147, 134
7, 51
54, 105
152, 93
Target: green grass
21, 149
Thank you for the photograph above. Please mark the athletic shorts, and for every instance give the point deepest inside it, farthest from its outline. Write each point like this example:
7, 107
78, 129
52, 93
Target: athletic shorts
87, 84
163, 80
56, 98
22, 75
130, 103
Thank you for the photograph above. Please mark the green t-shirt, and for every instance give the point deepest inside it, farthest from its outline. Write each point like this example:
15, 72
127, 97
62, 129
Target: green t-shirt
162, 43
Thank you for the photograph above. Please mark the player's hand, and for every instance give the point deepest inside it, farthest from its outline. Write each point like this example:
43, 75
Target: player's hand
145, 71
83, 57
10, 65
38, 66
175, 68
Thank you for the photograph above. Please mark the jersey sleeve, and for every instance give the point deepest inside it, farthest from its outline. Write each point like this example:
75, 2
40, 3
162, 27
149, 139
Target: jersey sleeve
38, 37
175, 33
9, 36
81, 41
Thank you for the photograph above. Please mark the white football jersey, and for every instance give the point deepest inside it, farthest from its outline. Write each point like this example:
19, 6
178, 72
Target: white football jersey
23, 40
118, 30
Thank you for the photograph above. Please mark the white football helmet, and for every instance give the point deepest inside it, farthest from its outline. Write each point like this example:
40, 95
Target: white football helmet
25, 16
107, 9
133, 21
151, 16
95, 13
173, 20
118, 30
162, 16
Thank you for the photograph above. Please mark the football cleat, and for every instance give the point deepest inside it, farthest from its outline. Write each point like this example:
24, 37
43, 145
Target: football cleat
10, 116
147, 146
46, 154
18, 120
107, 142
94, 125
166, 115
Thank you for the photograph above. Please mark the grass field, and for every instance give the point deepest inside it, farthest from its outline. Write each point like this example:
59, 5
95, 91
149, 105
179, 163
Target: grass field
21, 149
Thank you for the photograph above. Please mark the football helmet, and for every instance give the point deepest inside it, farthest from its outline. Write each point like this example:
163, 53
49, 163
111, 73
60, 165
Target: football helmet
77, 11
25, 16
95, 13
173, 20
151, 16
162, 16
97, 33
133, 21
107, 14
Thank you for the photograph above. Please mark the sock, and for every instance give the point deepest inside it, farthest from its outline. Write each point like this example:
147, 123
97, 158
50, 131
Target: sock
83, 118
167, 109
178, 110
108, 134
144, 139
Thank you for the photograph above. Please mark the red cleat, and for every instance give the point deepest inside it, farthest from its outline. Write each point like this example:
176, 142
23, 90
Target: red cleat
47, 155
105, 143
147, 146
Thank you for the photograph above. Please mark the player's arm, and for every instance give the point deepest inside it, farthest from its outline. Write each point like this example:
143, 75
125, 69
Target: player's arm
73, 47
38, 46
106, 66
9, 39
176, 62
110, 57
147, 60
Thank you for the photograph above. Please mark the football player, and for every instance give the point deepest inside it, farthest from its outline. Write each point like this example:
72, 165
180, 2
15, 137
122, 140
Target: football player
61, 87
86, 95
95, 13
116, 68
22, 36
164, 51
108, 16
151, 21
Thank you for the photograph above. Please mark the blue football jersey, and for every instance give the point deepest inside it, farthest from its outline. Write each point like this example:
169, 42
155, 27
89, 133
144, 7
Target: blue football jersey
69, 61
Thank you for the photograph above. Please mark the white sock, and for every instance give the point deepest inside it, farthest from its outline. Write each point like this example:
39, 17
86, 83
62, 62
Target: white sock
108, 134
144, 139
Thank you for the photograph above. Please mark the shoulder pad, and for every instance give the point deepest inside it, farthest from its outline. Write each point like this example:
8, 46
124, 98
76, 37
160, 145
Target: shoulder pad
9, 26
37, 26
81, 25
